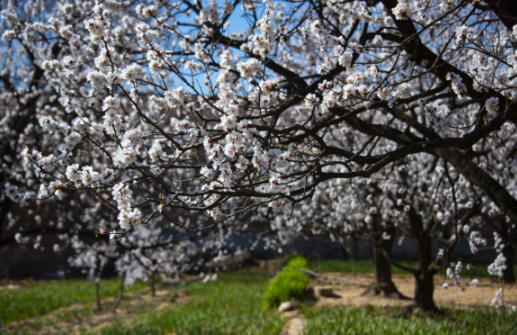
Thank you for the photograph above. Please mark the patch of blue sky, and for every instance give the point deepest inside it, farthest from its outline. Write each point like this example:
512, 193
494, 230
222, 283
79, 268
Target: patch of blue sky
13, 50
237, 23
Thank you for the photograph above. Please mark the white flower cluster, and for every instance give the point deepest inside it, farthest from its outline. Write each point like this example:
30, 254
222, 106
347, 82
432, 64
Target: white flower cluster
96, 27
447, 5
107, 59
174, 98
249, 68
143, 32
512, 60
498, 266
125, 157
215, 213
440, 114
323, 37
234, 144
132, 72
355, 87
20, 239
43, 164
492, 105
8, 35
70, 142
498, 298
311, 100
209, 14
263, 43
89, 177
97, 79
156, 150
475, 239
13, 193
277, 204
462, 32
457, 85
127, 218
49, 124
404, 91
403, 10
146, 12
498, 243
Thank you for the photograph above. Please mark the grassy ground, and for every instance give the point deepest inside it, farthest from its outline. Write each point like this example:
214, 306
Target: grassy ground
231, 305
369, 320
43, 297
478, 270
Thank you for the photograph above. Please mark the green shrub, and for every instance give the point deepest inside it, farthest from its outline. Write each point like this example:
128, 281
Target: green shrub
289, 283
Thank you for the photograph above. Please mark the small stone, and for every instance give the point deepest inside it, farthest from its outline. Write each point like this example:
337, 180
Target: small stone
323, 291
287, 306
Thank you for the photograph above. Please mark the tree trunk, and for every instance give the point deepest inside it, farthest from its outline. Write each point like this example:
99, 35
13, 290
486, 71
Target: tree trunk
424, 285
153, 291
348, 250
98, 296
508, 275
384, 285
120, 292
424, 291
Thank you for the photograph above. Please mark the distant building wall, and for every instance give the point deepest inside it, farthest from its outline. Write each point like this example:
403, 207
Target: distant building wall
46, 264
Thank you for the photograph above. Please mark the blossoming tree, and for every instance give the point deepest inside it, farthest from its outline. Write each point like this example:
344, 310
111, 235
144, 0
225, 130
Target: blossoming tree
162, 108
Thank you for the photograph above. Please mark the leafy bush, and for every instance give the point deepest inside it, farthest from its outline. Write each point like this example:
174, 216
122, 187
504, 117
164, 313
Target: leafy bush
289, 283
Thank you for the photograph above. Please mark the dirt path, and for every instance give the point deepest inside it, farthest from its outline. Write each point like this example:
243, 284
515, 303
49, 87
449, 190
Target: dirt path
481, 295
294, 323
75, 319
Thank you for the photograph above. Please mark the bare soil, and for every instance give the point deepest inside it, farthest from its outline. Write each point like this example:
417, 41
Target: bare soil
294, 323
346, 294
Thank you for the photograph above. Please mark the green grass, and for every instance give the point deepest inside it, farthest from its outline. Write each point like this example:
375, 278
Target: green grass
289, 283
478, 270
370, 320
43, 297
231, 305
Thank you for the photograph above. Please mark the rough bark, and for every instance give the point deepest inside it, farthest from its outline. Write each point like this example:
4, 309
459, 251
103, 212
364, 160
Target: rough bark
348, 250
153, 290
463, 164
495, 191
120, 292
424, 285
506, 10
98, 296
384, 285
424, 291
508, 274
5, 205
